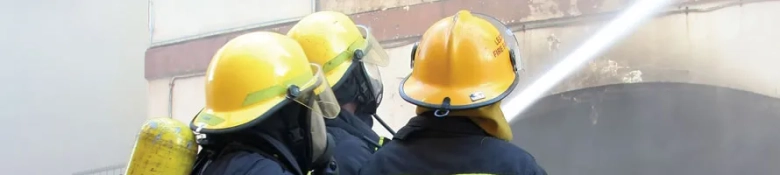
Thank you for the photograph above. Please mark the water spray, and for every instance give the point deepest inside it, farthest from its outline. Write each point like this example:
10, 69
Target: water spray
616, 29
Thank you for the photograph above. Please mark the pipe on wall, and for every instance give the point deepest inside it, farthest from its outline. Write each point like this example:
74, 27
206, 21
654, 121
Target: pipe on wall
315, 5
150, 20
171, 84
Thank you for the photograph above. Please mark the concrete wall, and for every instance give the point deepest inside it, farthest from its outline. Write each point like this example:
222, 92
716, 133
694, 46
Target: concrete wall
357, 6
731, 47
74, 94
176, 19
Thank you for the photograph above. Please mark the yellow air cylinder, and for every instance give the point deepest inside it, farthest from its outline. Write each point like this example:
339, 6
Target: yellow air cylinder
164, 146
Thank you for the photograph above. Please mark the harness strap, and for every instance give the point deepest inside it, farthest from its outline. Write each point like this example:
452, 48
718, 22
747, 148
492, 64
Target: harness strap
283, 151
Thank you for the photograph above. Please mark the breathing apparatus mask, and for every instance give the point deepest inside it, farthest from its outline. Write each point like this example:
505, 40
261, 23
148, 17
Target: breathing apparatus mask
363, 84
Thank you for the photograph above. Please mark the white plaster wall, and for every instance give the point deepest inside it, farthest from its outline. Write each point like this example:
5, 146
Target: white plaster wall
174, 19
188, 97
158, 98
74, 93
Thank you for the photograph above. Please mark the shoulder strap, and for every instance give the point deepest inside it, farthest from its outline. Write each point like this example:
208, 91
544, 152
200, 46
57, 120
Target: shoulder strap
290, 159
202, 161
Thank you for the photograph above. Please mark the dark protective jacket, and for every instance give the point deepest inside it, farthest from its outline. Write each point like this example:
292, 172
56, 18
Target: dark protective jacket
280, 144
238, 158
246, 162
449, 145
275, 146
355, 141
366, 118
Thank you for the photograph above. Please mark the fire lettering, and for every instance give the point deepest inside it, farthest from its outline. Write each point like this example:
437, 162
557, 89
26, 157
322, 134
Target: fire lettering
498, 51
498, 40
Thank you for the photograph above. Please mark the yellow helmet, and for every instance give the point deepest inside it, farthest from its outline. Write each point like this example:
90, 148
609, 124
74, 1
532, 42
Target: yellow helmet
253, 75
467, 64
332, 40
465, 61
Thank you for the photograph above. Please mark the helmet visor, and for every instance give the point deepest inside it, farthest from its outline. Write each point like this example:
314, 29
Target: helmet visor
319, 96
374, 52
322, 104
319, 136
375, 56
510, 41
374, 81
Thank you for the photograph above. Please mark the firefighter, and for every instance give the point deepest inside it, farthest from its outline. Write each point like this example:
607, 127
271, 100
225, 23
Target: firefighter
350, 58
463, 66
265, 105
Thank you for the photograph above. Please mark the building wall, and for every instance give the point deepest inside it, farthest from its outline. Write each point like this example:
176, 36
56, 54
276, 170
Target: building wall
357, 6
188, 97
718, 44
729, 47
74, 94
179, 19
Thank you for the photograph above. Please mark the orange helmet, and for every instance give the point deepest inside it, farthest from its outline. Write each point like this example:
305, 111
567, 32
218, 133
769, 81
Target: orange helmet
465, 61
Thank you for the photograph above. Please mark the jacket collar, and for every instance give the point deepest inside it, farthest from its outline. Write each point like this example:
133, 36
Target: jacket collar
429, 125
